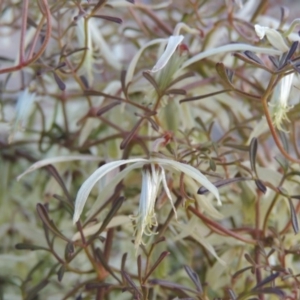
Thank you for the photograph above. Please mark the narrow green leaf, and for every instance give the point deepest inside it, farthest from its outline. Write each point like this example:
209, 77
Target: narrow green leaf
253, 57
194, 277
104, 263
260, 186
42, 212
32, 294
203, 96
61, 272
108, 18
23, 246
223, 73
294, 219
202, 190
267, 280
252, 154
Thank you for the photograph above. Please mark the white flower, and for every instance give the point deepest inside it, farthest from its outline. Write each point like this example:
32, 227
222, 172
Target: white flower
279, 103
273, 36
153, 174
146, 218
23, 108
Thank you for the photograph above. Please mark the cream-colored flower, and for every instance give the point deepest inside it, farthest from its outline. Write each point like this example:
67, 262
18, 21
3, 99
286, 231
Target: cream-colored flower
279, 103
153, 175
273, 36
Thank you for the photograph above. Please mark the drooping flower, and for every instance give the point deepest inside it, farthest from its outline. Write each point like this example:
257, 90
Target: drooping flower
279, 103
146, 218
153, 174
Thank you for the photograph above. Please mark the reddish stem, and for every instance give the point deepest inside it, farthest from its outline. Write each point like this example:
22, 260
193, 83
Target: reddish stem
219, 227
23, 31
20, 66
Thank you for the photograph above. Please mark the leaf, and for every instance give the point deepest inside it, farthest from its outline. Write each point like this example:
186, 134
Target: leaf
131, 134
253, 57
274, 61
32, 293
23, 246
202, 190
269, 290
104, 263
294, 219
84, 80
236, 274
194, 277
131, 283
59, 82
61, 272
175, 92
106, 108
267, 280
249, 259
252, 154
148, 76
69, 250
223, 73
232, 295
156, 264
97, 93
116, 206
42, 212
203, 96
260, 186
172, 285
289, 54
108, 18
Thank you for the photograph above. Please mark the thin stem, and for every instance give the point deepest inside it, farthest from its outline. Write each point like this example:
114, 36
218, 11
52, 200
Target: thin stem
220, 228
35, 38
41, 50
23, 31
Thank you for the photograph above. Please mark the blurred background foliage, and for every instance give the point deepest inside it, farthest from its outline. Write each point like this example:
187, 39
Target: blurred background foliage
78, 90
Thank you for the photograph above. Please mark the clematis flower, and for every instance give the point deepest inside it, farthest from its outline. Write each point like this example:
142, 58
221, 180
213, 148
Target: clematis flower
279, 103
273, 36
153, 175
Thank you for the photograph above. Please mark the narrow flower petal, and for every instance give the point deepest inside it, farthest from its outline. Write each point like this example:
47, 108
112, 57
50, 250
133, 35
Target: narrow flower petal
285, 88
109, 187
227, 48
166, 188
134, 61
59, 159
173, 42
192, 172
87, 186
